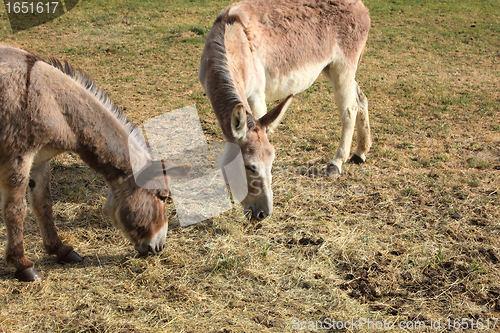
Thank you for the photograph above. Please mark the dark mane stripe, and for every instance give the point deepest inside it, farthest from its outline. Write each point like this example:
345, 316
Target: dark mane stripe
229, 19
30, 62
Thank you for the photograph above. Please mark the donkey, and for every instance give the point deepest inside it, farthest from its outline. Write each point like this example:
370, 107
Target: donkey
260, 51
46, 108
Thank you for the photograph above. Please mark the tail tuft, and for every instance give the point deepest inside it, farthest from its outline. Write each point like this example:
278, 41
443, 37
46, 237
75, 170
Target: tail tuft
361, 98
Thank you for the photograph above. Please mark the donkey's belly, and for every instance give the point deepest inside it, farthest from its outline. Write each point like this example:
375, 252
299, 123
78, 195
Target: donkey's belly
44, 155
294, 82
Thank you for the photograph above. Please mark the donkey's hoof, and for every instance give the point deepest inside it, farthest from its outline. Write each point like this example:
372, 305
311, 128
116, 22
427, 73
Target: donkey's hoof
332, 170
72, 257
28, 275
356, 159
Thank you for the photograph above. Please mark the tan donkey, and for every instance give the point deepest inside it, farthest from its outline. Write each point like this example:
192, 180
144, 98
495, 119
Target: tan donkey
47, 108
260, 51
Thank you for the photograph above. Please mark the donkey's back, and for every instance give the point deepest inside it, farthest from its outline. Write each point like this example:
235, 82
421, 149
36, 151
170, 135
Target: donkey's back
30, 94
291, 34
41, 102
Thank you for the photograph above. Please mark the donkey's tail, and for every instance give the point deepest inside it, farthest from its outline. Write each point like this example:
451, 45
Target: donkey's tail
361, 98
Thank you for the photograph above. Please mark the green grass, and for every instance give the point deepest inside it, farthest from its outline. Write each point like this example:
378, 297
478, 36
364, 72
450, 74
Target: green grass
478, 163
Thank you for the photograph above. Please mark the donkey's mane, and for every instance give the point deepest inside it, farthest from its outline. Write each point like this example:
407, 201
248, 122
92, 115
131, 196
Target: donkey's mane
85, 81
88, 84
221, 64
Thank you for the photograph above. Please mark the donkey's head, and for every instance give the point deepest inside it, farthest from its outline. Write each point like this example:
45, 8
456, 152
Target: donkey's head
258, 155
140, 212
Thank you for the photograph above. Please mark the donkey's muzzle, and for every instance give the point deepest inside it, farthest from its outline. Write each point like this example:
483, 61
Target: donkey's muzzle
258, 215
154, 244
144, 248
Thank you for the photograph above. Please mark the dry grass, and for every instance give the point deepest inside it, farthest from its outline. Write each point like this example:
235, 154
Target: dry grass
411, 235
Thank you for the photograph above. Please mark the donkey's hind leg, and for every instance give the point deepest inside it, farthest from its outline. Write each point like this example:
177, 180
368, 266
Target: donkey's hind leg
41, 203
364, 140
13, 184
341, 77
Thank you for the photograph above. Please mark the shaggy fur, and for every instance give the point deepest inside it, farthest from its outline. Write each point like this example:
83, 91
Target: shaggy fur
47, 108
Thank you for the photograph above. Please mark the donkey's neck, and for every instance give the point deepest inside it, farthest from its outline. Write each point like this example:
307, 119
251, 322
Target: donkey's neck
109, 147
224, 99
93, 126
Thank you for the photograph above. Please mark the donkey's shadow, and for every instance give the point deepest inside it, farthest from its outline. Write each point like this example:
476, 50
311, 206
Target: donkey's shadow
74, 182
47, 264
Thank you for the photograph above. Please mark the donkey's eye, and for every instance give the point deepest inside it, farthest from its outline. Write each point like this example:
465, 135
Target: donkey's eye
252, 167
162, 196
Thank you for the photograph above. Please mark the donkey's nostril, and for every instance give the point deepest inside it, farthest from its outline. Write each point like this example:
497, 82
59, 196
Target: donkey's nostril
261, 215
142, 249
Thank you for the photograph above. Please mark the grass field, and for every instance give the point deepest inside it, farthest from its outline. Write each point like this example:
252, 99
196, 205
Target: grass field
410, 236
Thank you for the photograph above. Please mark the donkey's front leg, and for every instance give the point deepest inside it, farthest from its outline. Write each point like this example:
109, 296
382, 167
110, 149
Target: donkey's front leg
41, 203
258, 105
14, 212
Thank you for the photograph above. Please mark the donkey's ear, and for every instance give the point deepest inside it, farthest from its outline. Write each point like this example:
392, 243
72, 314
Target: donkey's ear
178, 171
270, 121
152, 171
152, 176
239, 122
